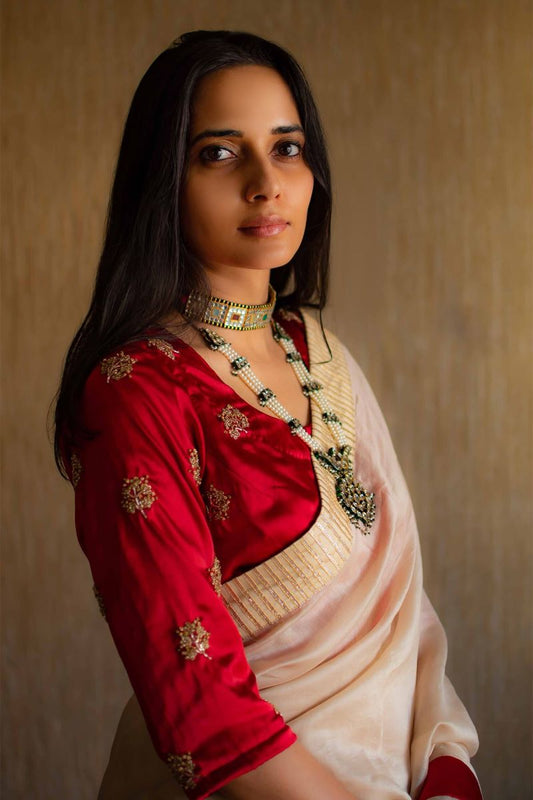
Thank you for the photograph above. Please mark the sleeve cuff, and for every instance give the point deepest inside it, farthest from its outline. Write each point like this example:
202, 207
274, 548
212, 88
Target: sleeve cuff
245, 762
450, 776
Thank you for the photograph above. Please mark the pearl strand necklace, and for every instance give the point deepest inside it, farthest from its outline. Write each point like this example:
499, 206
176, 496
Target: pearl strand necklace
357, 503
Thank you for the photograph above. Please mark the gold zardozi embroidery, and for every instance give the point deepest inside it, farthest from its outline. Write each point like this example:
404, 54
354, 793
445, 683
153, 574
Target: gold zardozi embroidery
164, 346
182, 767
117, 366
194, 458
100, 601
137, 494
218, 503
76, 469
215, 574
235, 422
193, 640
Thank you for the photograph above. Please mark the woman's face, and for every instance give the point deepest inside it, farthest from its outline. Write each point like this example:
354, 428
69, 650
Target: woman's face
245, 162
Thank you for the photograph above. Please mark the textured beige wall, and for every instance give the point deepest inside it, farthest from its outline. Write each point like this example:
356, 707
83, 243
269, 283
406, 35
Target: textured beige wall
426, 105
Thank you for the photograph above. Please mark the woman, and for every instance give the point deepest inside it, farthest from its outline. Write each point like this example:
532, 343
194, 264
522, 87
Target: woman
250, 536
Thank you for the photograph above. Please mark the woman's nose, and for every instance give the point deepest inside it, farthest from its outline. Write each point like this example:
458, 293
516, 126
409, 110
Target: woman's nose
262, 181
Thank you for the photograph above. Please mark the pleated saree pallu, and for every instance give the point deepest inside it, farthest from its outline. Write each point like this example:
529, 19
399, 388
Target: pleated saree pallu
337, 628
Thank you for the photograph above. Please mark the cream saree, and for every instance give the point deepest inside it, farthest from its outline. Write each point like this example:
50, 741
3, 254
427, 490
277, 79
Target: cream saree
337, 629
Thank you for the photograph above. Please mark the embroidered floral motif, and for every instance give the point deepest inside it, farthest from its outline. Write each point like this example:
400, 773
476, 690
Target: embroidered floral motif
164, 346
76, 469
117, 366
287, 314
137, 494
217, 503
215, 574
182, 767
194, 458
193, 640
100, 601
235, 422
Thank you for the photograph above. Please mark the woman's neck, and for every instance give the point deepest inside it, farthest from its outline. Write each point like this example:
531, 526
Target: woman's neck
240, 286
251, 288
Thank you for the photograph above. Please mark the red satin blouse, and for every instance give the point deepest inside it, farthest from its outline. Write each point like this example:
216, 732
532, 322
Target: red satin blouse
186, 485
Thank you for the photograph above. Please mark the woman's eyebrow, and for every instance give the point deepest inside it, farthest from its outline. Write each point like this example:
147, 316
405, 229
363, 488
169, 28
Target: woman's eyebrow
229, 132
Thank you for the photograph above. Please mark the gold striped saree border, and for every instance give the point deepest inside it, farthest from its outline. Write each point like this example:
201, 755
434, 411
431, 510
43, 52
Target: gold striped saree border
265, 594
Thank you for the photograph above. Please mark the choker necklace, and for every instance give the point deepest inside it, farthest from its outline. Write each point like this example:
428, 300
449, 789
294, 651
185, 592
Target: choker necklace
354, 499
226, 314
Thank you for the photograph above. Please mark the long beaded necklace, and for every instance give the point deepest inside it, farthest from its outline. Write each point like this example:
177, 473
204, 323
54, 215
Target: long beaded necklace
355, 500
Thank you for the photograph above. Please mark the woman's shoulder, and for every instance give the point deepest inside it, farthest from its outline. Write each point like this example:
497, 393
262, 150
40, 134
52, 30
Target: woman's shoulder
134, 359
135, 374
320, 338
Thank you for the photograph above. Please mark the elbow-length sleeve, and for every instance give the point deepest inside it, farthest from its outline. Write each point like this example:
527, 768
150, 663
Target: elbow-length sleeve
141, 521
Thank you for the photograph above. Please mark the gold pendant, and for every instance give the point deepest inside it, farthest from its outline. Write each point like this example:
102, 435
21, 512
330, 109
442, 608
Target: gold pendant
356, 502
354, 499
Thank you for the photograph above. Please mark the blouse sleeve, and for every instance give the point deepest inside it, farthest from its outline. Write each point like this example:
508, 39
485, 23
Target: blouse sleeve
141, 521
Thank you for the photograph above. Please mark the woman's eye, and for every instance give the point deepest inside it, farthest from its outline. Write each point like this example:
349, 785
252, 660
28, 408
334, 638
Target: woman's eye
212, 152
296, 148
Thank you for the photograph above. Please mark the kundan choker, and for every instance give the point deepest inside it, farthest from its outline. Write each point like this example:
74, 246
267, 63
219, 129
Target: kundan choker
227, 314
357, 503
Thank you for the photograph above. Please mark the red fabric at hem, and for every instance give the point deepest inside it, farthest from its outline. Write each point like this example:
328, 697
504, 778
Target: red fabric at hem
450, 776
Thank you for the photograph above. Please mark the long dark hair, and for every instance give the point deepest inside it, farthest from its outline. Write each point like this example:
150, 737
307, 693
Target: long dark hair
145, 267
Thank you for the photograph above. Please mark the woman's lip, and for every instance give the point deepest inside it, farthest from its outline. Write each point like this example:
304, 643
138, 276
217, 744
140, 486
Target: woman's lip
265, 230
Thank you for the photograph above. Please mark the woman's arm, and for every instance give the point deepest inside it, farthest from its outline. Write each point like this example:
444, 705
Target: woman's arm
294, 774
441, 723
142, 522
